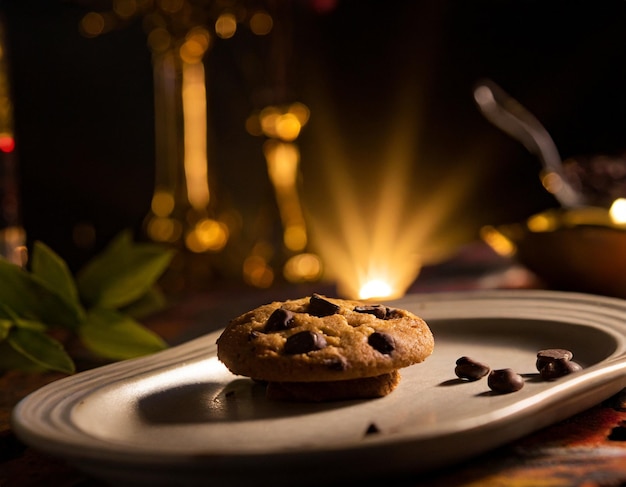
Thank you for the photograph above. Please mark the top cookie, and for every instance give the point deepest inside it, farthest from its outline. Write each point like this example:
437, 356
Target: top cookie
323, 339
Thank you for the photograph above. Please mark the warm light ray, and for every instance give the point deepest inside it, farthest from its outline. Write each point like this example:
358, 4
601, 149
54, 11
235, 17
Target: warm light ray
375, 229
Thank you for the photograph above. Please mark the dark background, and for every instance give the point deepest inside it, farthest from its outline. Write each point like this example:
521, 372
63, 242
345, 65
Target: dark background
84, 115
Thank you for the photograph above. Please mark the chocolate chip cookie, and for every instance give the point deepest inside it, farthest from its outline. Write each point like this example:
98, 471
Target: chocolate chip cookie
324, 340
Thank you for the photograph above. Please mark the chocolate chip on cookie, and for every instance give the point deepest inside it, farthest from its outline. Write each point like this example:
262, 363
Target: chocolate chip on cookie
383, 342
281, 319
377, 310
304, 342
320, 307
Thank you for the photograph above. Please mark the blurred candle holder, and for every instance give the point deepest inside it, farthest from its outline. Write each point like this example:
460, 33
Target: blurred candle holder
281, 126
183, 207
184, 212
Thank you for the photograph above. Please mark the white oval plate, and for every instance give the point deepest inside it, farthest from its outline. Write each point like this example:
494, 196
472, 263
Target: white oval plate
179, 417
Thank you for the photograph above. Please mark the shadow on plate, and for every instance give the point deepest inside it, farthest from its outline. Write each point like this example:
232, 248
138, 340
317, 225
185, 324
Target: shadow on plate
238, 400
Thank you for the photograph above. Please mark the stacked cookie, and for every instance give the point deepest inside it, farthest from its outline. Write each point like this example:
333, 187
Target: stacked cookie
319, 349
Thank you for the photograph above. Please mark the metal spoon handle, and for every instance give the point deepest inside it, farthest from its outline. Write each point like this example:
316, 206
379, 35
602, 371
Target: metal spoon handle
511, 117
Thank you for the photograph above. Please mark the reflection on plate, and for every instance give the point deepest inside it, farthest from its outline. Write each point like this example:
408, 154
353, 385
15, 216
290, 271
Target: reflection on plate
179, 417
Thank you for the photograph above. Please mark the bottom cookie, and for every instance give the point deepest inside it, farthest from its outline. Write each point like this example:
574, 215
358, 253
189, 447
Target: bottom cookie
364, 388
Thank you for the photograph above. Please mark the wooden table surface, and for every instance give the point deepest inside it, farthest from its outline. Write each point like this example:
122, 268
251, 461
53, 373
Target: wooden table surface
587, 450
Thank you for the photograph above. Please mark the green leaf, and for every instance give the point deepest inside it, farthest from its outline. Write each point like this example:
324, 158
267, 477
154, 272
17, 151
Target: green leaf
113, 335
12, 360
151, 302
41, 349
122, 273
54, 272
7, 314
29, 297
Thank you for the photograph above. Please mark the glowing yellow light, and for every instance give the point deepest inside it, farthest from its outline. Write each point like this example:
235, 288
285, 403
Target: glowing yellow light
287, 127
261, 23
92, 24
207, 235
125, 8
295, 238
163, 229
263, 249
201, 36
253, 125
226, 25
497, 241
282, 162
552, 182
301, 111
257, 273
191, 51
268, 118
162, 203
617, 212
195, 120
196, 43
304, 267
542, 223
376, 288
159, 39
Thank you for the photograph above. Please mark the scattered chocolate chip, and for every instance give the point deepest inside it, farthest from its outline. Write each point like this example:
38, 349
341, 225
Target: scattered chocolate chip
303, 342
377, 310
281, 319
550, 355
383, 342
320, 307
504, 381
469, 369
229, 393
558, 368
372, 429
337, 363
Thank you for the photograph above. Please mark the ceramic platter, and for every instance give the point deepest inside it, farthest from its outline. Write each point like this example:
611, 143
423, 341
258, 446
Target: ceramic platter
179, 417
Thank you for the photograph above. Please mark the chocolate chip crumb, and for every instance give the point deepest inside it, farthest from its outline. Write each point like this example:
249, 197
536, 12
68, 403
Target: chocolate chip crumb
504, 381
229, 393
304, 342
281, 319
469, 369
320, 307
372, 429
383, 342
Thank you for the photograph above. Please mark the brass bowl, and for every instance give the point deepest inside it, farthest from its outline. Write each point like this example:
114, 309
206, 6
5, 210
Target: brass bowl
580, 250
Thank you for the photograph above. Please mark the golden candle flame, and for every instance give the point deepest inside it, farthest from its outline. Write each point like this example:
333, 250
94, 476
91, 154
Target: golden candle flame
618, 211
376, 288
